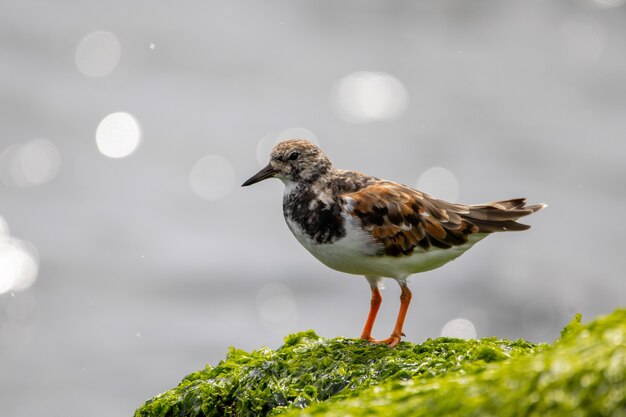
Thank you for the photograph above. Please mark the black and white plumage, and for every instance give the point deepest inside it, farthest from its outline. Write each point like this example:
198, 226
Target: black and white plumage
363, 225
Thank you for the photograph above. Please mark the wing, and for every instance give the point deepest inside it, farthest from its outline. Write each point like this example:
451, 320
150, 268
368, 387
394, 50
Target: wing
403, 219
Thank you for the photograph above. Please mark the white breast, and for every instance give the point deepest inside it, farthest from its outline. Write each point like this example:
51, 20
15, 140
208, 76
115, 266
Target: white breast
357, 253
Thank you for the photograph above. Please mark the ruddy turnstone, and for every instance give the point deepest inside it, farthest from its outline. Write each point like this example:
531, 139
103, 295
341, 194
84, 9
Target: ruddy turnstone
364, 225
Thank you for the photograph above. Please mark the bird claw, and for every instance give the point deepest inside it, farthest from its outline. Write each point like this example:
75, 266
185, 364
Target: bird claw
392, 341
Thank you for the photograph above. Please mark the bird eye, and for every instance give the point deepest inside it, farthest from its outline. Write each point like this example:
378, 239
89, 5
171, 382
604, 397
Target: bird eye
293, 156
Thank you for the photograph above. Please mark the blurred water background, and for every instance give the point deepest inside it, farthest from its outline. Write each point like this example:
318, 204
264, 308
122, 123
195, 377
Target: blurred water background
130, 256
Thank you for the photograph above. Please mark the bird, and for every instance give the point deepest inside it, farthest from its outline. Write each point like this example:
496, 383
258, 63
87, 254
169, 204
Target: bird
363, 225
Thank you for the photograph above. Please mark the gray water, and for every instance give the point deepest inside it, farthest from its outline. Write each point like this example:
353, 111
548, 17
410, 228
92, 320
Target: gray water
141, 280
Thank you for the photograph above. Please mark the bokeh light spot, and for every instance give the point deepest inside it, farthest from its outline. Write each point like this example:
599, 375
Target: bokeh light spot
98, 54
118, 135
459, 328
368, 96
440, 183
276, 305
34, 163
19, 264
40, 161
212, 177
10, 166
267, 142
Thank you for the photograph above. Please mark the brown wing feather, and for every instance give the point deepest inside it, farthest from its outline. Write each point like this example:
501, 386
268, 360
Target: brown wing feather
403, 219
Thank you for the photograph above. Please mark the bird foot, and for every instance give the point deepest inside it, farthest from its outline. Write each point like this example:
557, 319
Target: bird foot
392, 341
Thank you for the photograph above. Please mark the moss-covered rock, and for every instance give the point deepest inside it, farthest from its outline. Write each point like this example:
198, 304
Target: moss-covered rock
583, 373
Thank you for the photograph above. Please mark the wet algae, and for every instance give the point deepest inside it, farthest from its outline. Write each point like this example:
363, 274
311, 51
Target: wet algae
583, 373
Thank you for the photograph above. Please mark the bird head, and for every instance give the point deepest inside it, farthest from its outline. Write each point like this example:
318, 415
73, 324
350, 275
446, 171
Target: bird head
293, 161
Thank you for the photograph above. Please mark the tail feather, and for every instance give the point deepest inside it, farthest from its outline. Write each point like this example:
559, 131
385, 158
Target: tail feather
485, 226
500, 216
514, 203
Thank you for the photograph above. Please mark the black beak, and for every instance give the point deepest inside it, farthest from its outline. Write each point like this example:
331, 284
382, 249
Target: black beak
265, 173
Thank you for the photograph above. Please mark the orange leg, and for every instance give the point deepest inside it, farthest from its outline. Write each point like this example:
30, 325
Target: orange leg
371, 317
405, 300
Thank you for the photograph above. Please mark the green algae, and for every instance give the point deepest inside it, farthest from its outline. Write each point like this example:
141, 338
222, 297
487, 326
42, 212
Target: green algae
583, 373
309, 369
